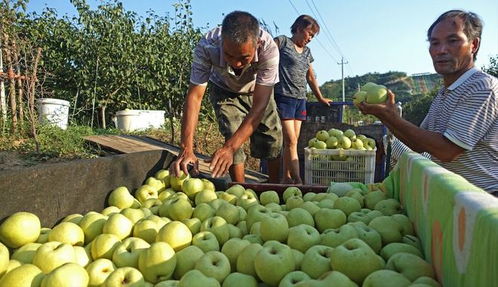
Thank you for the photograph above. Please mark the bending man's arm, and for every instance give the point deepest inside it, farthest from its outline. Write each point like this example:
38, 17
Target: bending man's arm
416, 138
190, 117
223, 157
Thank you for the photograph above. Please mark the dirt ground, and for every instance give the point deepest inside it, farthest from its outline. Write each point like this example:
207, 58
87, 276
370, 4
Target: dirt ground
10, 160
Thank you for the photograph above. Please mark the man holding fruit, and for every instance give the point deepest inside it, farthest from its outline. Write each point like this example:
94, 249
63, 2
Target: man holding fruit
460, 131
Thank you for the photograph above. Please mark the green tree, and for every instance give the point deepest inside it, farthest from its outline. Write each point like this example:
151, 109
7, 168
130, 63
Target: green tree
493, 66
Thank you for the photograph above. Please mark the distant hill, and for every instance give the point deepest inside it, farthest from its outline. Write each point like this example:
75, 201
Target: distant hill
406, 88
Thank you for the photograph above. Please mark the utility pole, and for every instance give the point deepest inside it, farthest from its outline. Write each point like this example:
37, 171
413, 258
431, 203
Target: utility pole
342, 63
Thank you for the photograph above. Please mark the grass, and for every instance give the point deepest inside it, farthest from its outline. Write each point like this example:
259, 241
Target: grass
60, 145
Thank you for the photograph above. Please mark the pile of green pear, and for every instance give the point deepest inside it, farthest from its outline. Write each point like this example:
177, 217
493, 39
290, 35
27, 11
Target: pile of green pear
341, 140
371, 93
180, 231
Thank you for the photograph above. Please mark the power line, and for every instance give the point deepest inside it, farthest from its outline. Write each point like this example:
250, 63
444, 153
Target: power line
327, 31
328, 34
318, 40
295, 9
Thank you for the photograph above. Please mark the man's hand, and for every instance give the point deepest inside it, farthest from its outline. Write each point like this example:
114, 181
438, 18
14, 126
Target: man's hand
185, 158
381, 111
221, 161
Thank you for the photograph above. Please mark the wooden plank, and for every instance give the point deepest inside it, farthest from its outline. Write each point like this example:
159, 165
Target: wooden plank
131, 144
122, 144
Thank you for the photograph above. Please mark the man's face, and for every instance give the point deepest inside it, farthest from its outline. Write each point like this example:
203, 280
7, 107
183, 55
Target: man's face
451, 50
238, 56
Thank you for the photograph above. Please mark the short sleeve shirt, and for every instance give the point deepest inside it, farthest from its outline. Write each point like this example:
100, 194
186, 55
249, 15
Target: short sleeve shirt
292, 69
466, 113
209, 64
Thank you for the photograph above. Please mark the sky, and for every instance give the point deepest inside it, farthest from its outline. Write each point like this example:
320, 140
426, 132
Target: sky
371, 36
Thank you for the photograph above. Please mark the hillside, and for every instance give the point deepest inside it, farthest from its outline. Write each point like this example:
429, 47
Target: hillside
406, 88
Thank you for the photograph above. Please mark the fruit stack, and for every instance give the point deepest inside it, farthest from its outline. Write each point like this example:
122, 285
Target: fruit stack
180, 231
339, 156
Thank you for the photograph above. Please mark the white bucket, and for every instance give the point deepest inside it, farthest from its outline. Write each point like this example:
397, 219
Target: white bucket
132, 120
53, 111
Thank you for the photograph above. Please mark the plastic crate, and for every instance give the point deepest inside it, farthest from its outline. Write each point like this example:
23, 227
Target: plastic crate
321, 166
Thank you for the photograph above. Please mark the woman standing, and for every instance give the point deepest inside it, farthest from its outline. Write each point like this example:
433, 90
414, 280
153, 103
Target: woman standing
295, 72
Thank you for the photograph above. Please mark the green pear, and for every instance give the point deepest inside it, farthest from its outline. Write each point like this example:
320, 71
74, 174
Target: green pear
389, 206
316, 261
24, 254
388, 228
427, 281
245, 260
293, 278
158, 262
176, 234
405, 222
27, 275
337, 236
326, 218
386, 278
411, 266
373, 197
186, 259
19, 229
122, 198
302, 237
214, 264
369, 236
355, 259
396, 247
237, 279
67, 275
273, 262
300, 216
334, 278
347, 204
195, 278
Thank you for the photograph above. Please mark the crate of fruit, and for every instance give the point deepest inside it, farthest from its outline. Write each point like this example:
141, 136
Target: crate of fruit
339, 157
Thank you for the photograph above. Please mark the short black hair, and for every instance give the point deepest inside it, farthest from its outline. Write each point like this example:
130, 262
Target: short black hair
471, 21
304, 21
240, 27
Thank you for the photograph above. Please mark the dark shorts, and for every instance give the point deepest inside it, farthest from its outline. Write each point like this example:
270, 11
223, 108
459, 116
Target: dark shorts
231, 109
291, 108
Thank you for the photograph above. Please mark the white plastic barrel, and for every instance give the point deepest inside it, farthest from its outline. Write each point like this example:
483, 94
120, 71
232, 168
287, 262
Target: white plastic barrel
53, 111
132, 120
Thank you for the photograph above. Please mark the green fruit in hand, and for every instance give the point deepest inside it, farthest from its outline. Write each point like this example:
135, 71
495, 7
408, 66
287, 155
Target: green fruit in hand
359, 97
376, 94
